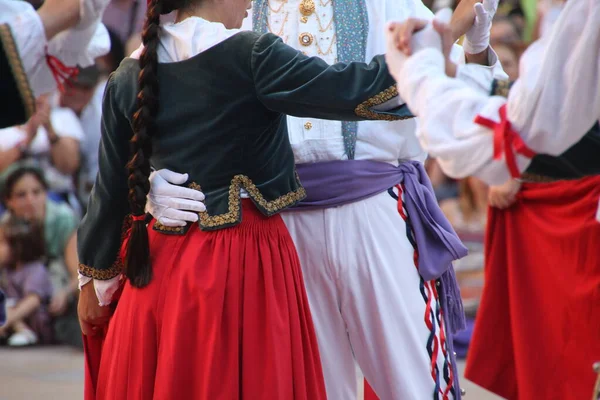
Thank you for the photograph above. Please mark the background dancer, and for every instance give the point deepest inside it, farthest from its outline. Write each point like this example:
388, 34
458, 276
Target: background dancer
553, 213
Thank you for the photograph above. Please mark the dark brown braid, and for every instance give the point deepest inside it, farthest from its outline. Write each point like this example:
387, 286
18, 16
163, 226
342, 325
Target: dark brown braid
137, 258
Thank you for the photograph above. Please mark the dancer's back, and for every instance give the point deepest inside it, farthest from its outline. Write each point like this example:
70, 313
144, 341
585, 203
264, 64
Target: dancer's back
221, 116
227, 305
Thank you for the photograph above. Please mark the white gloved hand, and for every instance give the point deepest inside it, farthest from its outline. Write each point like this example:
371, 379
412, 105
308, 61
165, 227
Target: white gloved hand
167, 201
477, 39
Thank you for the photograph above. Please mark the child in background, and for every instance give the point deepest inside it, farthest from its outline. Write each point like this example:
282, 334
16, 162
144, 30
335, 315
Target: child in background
26, 283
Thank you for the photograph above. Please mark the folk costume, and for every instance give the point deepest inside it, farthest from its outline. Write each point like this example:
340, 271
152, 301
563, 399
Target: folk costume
539, 309
538, 315
381, 303
30, 65
225, 315
552, 105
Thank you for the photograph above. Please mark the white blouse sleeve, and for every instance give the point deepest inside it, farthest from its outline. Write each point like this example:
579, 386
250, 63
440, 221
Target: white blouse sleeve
556, 101
447, 131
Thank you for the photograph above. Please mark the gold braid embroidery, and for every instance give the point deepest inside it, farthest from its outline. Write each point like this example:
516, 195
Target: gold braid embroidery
363, 110
233, 215
168, 229
102, 274
117, 267
17, 69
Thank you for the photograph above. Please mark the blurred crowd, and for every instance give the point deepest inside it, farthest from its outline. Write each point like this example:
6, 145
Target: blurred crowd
48, 167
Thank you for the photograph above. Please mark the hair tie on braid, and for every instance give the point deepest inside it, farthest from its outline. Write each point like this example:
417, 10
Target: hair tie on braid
136, 218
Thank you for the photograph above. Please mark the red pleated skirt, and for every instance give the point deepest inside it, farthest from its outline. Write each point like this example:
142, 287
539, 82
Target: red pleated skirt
537, 331
225, 317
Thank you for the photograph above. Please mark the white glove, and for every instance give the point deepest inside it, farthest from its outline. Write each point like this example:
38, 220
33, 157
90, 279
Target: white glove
477, 38
167, 200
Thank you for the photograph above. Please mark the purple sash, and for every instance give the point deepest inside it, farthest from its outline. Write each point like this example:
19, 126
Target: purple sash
335, 183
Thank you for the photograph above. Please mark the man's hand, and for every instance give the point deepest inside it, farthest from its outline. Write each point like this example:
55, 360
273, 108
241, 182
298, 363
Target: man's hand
167, 201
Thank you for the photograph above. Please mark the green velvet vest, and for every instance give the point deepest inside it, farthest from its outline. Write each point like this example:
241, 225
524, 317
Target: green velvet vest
222, 119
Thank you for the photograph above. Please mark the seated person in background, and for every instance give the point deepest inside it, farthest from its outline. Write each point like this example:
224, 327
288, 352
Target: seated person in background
26, 282
52, 139
25, 195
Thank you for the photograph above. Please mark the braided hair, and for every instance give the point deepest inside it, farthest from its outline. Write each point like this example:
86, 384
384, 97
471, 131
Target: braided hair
137, 257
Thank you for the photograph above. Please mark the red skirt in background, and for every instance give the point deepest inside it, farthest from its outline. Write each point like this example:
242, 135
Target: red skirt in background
225, 317
537, 331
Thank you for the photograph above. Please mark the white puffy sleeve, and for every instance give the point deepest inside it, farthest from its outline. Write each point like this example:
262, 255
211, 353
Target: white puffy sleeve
446, 108
557, 98
556, 101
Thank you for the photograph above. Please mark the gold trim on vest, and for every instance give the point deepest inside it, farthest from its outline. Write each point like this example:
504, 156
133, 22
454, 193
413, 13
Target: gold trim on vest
101, 274
233, 215
363, 110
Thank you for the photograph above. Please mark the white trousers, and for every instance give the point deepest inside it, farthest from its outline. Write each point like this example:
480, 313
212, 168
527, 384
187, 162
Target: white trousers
368, 301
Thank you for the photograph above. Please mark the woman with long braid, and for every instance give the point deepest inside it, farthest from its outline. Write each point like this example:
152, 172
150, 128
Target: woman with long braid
216, 310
